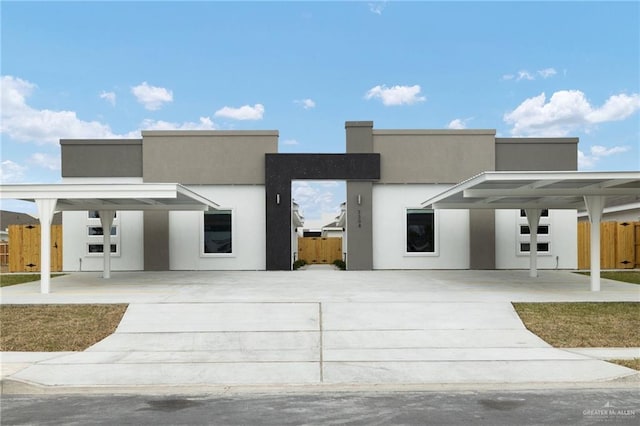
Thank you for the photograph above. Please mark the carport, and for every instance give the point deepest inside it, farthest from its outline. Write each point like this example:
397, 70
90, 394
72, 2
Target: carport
534, 191
106, 199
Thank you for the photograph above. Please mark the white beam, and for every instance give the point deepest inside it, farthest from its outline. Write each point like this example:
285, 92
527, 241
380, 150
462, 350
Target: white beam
595, 206
106, 220
533, 219
547, 192
46, 207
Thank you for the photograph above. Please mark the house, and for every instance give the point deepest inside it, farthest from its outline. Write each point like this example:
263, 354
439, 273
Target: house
389, 173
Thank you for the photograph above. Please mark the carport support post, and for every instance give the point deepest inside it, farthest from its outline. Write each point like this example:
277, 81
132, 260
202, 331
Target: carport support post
46, 207
533, 219
106, 220
595, 206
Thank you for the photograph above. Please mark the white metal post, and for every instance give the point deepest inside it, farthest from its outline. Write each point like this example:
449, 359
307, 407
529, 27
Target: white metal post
595, 206
106, 220
533, 219
46, 207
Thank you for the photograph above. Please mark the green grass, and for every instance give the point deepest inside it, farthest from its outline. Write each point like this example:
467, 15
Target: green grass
583, 324
13, 279
632, 277
56, 328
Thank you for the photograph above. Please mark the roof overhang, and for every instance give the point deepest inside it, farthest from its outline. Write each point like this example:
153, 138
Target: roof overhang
137, 196
553, 190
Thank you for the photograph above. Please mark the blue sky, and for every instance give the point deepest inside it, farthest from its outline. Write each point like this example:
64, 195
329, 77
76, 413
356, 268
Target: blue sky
101, 70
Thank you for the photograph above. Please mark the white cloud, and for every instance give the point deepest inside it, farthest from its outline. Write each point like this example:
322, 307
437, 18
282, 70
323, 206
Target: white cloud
377, 7
306, 103
290, 142
205, 123
46, 161
587, 161
109, 97
458, 123
508, 77
567, 111
26, 124
152, 97
524, 75
11, 172
245, 112
314, 198
396, 95
547, 72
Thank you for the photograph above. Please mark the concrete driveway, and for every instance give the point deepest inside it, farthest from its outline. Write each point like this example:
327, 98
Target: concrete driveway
321, 328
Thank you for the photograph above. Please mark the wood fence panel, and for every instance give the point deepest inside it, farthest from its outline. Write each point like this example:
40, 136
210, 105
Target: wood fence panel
619, 245
24, 248
608, 234
584, 245
319, 249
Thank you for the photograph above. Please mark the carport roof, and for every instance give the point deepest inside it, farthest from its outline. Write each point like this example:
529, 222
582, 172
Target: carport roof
553, 190
122, 196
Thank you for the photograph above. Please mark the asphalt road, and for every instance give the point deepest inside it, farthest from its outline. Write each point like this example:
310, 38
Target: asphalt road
536, 407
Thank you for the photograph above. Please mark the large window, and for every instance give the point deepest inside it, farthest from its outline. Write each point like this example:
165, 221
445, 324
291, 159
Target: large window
420, 231
524, 234
95, 233
217, 232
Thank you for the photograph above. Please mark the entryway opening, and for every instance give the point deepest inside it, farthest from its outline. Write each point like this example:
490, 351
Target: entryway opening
319, 223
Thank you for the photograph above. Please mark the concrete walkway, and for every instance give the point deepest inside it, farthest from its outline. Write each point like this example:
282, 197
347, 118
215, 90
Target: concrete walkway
317, 328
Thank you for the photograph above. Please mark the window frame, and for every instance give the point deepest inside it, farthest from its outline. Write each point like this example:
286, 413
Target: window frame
233, 235
436, 234
525, 238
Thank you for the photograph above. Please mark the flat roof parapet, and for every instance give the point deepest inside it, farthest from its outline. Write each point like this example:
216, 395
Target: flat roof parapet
399, 132
210, 133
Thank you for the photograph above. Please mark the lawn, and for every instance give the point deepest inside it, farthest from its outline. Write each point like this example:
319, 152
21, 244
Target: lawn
54, 328
13, 279
632, 277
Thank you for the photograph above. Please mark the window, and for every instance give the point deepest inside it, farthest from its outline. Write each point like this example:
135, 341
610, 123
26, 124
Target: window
217, 232
95, 214
523, 245
543, 213
97, 230
542, 247
542, 230
99, 248
420, 231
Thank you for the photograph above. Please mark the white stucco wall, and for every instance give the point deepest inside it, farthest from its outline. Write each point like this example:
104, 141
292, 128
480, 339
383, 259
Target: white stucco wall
389, 229
75, 239
247, 203
563, 237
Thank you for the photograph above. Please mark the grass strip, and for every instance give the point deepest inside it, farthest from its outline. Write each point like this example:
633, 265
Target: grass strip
13, 279
56, 328
583, 324
629, 363
632, 277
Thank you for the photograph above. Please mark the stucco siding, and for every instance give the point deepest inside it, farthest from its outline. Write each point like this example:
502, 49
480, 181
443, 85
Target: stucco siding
389, 230
247, 203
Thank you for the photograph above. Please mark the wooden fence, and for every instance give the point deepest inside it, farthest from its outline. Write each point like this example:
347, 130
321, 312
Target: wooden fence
319, 249
619, 245
24, 248
4, 256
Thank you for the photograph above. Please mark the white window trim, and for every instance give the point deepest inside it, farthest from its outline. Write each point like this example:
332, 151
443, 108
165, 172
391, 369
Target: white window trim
436, 235
94, 254
526, 238
90, 225
98, 239
233, 236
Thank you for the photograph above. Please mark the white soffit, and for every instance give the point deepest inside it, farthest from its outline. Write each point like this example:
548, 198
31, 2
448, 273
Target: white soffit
138, 196
554, 190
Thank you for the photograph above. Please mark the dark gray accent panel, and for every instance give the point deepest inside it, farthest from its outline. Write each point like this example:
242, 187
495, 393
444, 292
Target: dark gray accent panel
207, 157
359, 226
359, 136
156, 240
535, 154
101, 158
482, 239
281, 169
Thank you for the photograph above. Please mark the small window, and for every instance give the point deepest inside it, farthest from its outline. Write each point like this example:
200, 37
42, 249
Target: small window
542, 247
97, 230
543, 213
420, 231
542, 230
217, 232
95, 214
99, 248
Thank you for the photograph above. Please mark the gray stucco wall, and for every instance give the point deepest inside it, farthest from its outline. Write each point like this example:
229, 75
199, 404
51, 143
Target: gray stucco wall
207, 157
156, 240
433, 156
101, 158
536, 154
